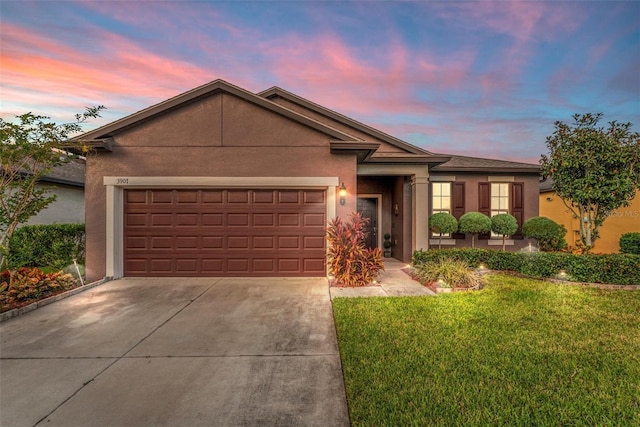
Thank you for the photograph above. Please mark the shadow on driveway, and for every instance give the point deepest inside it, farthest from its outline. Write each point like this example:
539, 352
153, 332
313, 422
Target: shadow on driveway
176, 352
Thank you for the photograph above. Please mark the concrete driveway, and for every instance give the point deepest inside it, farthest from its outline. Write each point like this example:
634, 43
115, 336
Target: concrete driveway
176, 352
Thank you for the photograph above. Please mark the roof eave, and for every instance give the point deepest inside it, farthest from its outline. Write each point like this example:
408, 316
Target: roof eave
493, 170
416, 160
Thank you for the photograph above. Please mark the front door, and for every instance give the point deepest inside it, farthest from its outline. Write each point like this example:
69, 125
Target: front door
368, 208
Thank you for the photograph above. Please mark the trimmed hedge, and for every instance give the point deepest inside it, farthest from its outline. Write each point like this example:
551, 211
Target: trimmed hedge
53, 245
630, 243
616, 269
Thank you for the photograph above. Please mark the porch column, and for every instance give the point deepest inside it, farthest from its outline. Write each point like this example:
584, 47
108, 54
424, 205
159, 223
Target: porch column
420, 193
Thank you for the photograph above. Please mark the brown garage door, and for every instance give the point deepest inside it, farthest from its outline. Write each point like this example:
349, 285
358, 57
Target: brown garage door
222, 232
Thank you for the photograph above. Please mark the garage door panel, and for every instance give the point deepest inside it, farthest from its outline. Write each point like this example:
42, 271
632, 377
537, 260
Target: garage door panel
238, 219
165, 242
161, 197
289, 220
266, 197
289, 197
161, 220
314, 197
212, 219
264, 220
186, 219
238, 242
211, 232
238, 197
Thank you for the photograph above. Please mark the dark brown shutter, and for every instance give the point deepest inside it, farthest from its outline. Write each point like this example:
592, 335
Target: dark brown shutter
484, 204
457, 205
517, 206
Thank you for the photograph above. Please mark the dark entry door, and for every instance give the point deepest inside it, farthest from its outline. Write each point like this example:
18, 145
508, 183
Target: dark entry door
368, 208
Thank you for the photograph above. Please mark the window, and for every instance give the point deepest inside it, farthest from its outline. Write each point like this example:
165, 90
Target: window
441, 197
502, 197
499, 200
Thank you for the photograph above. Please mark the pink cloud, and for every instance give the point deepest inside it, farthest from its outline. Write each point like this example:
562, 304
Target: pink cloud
352, 81
34, 65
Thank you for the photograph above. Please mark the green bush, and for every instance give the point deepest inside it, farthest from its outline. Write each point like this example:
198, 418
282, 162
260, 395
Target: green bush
474, 223
453, 273
548, 233
617, 269
630, 243
505, 225
442, 223
54, 245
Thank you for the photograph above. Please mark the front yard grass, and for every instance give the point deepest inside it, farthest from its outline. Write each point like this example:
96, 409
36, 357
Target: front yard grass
518, 353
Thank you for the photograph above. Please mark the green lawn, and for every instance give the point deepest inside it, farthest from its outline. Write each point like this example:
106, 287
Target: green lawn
518, 353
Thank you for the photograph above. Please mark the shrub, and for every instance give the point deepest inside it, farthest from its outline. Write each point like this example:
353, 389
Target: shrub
350, 261
474, 223
454, 273
442, 223
29, 284
54, 245
630, 243
505, 225
548, 233
617, 269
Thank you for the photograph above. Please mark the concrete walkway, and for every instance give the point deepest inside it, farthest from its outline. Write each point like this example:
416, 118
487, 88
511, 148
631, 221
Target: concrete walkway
176, 352
392, 282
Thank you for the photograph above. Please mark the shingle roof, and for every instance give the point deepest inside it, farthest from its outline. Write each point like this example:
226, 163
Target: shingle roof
71, 173
473, 164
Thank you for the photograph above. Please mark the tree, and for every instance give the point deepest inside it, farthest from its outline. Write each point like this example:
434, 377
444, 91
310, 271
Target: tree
548, 233
442, 223
29, 150
505, 225
474, 223
594, 170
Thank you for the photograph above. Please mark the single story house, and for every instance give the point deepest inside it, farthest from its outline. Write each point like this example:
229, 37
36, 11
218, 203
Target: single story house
66, 182
622, 220
220, 181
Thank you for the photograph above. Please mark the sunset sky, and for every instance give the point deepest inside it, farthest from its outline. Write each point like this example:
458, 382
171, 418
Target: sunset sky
478, 78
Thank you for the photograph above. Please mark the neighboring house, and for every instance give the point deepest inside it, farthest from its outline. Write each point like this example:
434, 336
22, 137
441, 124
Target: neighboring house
67, 183
220, 181
623, 220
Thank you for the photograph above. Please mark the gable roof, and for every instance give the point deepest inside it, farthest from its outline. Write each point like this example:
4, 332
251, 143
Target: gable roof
217, 86
275, 92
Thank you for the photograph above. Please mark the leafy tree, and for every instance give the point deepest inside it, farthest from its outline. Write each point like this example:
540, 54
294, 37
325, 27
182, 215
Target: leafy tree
505, 225
594, 169
29, 150
474, 223
442, 223
548, 233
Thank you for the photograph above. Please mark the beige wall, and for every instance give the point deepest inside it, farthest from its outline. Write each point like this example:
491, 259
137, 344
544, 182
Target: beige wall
199, 140
623, 220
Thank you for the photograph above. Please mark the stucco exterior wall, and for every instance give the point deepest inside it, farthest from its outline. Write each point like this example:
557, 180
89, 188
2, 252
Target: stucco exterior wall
471, 180
67, 209
220, 136
384, 147
623, 220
